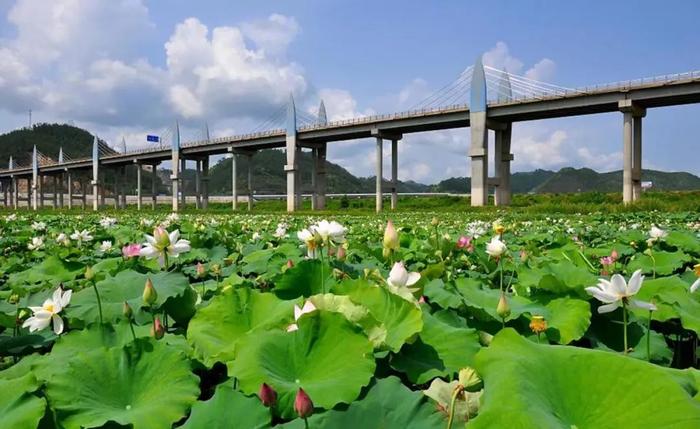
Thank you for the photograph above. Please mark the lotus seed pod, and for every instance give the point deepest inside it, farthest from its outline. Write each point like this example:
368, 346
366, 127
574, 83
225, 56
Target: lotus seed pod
470, 380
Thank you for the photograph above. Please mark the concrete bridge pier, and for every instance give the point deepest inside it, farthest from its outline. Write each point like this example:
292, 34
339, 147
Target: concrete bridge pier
318, 177
631, 150
54, 201
139, 193
293, 151
205, 182
14, 193
69, 186
379, 164
234, 181
197, 184
183, 194
394, 173
502, 158
478, 149
95, 176
61, 178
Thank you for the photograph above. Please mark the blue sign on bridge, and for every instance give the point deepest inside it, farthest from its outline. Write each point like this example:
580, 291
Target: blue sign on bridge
154, 139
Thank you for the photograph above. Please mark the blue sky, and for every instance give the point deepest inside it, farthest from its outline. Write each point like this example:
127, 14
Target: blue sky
124, 68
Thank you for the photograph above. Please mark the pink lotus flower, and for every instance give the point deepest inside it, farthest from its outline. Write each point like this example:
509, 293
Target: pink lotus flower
465, 242
131, 250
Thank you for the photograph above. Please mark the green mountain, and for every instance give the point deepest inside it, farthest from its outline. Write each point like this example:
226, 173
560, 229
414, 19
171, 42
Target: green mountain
521, 182
50, 138
586, 180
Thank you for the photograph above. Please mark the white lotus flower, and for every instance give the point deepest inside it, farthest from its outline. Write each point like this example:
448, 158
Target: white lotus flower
309, 240
695, 285
36, 243
308, 307
656, 233
48, 312
496, 247
81, 236
63, 240
173, 217
256, 236
38, 226
281, 230
10, 218
146, 222
163, 243
400, 280
106, 246
107, 222
330, 231
616, 291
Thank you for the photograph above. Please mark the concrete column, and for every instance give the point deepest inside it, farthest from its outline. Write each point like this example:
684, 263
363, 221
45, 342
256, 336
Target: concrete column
234, 182
139, 196
154, 190
478, 152
115, 190
378, 171
502, 158
394, 173
314, 178
15, 194
631, 149
320, 187
69, 185
197, 184
83, 197
4, 193
250, 184
637, 159
205, 182
102, 190
291, 169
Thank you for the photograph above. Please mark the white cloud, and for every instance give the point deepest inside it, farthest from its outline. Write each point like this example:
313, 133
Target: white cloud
340, 105
500, 57
274, 34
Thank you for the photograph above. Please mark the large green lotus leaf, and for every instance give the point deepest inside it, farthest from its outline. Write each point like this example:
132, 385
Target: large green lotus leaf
387, 404
19, 408
466, 405
357, 314
567, 318
528, 385
559, 277
663, 263
51, 269
446, 345
215, 330
443, 294
146, 384
673, 301
70, 344
684, 241
304, 279
126, 286
229, 408
401, 319
327, 356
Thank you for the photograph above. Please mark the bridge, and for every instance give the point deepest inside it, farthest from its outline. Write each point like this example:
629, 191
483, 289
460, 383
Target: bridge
496, 100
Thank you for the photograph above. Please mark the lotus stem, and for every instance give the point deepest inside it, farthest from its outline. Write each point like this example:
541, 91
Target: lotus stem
649, 338
99, 301
452, 406
306, 423
131, 325
624, 325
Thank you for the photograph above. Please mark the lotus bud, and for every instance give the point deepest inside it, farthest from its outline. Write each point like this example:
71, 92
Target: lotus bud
485, 338
435, 221
201, 271
523, 256
268, 396
391, 237
498, 228
23, 313
696, 269
127, 311
470, 380
149, 293
303, 405
342, 253
216, 269
648, 252
614, 255
13, 299
89, 274
538, 324
160, 235
503, 309
157, 329
290, 263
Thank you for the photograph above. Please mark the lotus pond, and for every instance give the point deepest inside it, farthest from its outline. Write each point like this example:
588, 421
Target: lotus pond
491, 320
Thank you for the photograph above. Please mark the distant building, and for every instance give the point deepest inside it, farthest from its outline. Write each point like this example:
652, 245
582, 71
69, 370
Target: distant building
647, 185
